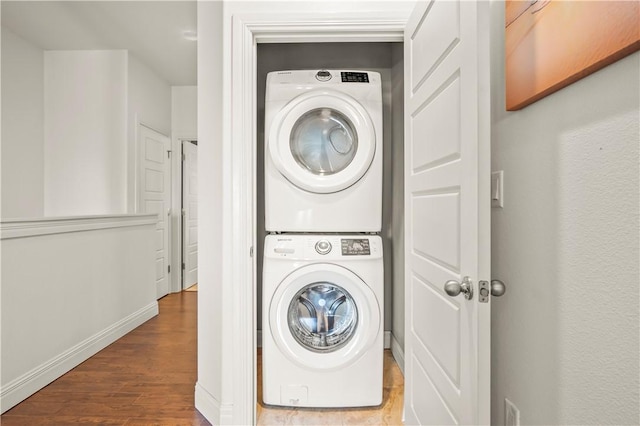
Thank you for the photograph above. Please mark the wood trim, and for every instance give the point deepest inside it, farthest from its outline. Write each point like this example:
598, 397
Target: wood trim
309, 29
21, 228
211, 408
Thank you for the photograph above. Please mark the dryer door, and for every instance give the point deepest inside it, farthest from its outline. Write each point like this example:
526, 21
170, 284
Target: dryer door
322, 141
324, 317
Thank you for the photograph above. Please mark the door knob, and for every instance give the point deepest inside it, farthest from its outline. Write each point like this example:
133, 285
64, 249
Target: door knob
497, 288
454, 288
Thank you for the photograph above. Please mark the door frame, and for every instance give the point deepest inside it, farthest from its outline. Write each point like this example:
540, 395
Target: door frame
239, 135
176, 210
179, 207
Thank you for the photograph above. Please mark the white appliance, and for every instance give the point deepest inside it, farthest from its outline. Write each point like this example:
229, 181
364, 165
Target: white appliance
323, 151
322, 320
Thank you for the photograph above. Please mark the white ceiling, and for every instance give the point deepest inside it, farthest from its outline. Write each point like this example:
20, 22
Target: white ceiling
150, 30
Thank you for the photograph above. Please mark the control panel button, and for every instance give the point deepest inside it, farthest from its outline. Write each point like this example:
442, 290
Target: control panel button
323, 75
323, 246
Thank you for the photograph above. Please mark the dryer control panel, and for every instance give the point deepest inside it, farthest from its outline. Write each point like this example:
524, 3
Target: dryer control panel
325, 247
311, 79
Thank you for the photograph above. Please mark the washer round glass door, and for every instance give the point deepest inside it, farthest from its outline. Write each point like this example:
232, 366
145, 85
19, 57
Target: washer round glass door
322, 141
323, 316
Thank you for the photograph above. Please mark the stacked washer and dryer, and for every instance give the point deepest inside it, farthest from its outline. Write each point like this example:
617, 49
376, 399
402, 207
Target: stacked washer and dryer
323, 281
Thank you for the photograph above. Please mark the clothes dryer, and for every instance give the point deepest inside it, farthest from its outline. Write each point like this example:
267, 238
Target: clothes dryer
322, 320
323, 151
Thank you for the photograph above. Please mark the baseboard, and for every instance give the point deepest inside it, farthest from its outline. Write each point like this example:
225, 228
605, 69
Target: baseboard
212, 410
387, 339
26, 385
398, 353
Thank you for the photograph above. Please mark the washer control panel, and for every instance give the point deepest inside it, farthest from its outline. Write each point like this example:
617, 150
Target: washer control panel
354, 77
323, 246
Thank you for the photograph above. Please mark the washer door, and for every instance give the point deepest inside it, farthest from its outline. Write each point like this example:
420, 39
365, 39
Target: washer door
322, 141
324, 317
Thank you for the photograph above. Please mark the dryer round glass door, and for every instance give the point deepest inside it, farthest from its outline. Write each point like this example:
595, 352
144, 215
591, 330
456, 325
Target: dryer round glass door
324, 317
322, 141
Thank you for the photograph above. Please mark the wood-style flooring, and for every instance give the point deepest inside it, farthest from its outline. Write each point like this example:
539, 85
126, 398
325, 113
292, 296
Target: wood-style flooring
148, 377
145, 378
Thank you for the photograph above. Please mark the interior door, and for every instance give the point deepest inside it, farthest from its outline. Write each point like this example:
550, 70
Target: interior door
447, 160
155, 196
189, 213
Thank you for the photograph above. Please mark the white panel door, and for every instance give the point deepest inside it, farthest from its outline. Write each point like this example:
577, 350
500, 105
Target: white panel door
189, 213
447, 173
154, 192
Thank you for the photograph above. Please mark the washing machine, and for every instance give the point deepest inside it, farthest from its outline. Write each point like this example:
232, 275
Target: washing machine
323, 151
322, 329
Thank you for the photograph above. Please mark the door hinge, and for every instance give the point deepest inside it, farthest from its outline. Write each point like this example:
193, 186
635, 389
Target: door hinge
168, 269
183, 266
184, 158
251, 251
168, 153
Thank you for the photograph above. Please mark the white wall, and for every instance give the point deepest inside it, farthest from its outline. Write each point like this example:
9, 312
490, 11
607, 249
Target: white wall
22, 127
211, 291
149, 103
70, 288
85, 143
65, 150
565, 334
396, 201
292, 7
184, 111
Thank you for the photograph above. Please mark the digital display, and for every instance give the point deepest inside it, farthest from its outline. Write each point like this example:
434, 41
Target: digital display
354, 77
355, 247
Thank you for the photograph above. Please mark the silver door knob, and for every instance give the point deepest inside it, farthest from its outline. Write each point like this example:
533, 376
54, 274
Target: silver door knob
497, 288
454, 288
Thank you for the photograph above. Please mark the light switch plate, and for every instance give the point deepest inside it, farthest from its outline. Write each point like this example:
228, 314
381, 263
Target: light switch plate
497, 193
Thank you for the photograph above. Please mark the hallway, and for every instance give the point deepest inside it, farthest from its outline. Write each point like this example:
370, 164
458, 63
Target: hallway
145, 378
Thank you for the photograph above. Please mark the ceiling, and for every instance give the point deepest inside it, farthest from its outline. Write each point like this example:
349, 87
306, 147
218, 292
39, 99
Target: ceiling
150, 30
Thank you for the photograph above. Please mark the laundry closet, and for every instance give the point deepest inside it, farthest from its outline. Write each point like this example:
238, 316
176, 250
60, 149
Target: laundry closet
386, 59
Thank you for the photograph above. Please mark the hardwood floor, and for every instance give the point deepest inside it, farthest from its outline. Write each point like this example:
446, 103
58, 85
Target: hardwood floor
148, 378
145, 378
